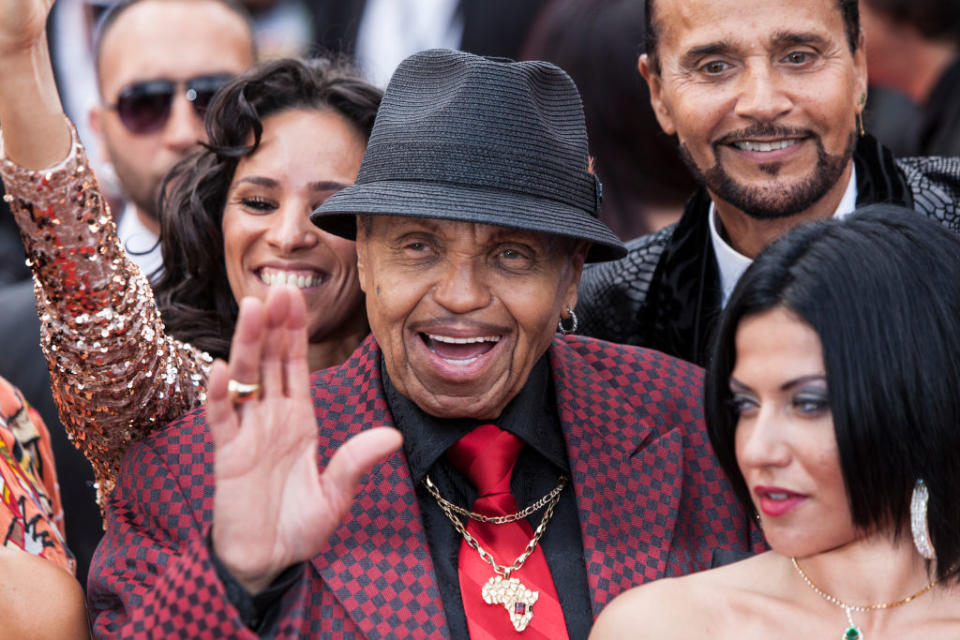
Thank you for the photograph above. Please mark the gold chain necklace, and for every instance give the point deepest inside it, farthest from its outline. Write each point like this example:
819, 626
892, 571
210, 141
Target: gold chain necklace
853, 632
501, 588
512, 517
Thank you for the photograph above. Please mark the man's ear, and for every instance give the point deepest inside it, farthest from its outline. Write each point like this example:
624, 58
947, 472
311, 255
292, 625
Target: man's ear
655, 82
363, 244
860, 64
95, 118
576, 270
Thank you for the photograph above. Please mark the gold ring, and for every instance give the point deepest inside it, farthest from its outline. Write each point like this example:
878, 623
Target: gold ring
241, 392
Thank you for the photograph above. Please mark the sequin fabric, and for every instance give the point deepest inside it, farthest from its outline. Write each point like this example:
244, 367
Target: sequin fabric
115, 374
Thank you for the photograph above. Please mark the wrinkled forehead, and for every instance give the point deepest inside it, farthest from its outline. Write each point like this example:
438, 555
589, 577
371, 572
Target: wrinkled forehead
688, 25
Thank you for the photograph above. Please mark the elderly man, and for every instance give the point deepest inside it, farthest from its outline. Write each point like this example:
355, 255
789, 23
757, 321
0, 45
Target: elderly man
539, 475
765, 98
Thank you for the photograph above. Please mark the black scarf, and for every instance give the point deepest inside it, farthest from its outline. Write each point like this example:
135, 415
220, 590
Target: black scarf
684, 300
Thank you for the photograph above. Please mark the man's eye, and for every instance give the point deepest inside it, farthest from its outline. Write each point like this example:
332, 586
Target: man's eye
797, 57
416, 246
715, 67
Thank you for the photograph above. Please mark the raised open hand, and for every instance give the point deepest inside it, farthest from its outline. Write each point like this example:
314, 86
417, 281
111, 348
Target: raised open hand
272, 506
22, 24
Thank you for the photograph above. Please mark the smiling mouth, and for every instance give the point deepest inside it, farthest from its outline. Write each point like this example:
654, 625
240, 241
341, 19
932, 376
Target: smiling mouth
765, 147
299, 278
459, 351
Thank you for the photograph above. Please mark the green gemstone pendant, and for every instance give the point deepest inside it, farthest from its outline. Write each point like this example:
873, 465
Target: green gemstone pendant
853, 633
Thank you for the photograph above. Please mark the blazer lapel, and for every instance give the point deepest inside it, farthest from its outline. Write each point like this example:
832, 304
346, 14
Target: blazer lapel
627, 475
377, 564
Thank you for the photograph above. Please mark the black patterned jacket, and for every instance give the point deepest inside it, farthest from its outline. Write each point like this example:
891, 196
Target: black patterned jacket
665, 294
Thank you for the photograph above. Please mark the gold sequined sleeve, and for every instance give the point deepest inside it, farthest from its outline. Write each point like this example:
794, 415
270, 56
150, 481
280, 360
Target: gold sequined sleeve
116, 375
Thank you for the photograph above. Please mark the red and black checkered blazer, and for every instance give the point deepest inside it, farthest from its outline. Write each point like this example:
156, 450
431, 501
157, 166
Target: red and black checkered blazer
653, 502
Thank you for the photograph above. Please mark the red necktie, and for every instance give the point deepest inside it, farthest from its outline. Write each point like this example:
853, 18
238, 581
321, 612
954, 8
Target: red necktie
486, 456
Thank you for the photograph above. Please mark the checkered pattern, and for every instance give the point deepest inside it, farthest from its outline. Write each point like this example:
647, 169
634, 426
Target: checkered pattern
652, 503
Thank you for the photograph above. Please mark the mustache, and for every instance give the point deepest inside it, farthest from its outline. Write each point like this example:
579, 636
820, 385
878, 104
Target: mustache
763, 130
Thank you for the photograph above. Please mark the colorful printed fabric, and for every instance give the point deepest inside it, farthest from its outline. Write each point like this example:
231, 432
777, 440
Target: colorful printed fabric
31, 517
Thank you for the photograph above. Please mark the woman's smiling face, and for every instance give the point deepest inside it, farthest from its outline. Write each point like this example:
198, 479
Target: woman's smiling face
304, 156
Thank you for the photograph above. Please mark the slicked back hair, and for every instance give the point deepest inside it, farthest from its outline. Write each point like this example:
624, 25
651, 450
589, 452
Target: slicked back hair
848, 8
880, 289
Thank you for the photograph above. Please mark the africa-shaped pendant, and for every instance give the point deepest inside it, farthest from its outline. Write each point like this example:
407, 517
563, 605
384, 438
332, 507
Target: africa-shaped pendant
515, 598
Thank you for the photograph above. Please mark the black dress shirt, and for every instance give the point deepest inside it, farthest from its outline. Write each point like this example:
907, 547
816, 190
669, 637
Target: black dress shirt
532, 417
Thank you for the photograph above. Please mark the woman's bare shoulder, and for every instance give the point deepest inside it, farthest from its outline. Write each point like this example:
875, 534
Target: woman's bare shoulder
691, 606
38, 599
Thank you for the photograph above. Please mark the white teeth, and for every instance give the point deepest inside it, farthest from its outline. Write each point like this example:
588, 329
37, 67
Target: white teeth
746, 145
777, 496
460, 363
450, 340
271, 277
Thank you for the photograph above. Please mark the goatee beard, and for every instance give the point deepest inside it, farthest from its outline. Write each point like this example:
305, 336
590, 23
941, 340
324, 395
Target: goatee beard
777, 200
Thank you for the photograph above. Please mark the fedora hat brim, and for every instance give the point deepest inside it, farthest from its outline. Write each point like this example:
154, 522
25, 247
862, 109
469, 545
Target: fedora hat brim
445, 201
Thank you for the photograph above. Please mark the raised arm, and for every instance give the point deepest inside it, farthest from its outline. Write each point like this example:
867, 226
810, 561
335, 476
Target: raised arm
35, 133
116, 375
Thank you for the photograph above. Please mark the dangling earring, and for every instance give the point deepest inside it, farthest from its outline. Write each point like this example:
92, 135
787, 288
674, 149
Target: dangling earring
919, 524
573, 324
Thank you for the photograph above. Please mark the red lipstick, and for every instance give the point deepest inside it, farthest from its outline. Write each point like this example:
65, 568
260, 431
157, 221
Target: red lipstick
777, 501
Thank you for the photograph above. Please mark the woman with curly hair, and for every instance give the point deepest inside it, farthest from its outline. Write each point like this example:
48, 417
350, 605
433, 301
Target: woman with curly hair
234, 222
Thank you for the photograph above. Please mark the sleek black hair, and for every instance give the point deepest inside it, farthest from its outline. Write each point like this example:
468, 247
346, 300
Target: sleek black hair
882, 290
850, 10
193, 292
934, 19
109, 18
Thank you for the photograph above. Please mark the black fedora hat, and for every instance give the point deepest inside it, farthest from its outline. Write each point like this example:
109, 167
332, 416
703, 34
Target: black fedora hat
466, 138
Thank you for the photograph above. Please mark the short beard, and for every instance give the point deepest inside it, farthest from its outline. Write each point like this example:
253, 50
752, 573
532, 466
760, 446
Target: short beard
776, 201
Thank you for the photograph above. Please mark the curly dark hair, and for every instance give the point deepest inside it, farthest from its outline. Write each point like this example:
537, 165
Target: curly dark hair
193, 293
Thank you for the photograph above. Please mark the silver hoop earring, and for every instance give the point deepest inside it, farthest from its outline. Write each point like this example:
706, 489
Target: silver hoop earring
573, 324
919, 525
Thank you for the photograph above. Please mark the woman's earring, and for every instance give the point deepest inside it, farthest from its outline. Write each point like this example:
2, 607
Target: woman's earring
919, 525
574, 323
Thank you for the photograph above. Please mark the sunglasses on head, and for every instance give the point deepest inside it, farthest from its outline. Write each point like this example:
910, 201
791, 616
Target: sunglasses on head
144, 107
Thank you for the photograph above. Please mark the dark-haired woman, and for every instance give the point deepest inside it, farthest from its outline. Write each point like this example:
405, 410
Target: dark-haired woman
833, 401
235, 221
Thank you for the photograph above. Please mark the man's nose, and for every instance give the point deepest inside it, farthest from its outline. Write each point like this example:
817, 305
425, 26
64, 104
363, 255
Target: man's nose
185, 128
761, 93
461, 287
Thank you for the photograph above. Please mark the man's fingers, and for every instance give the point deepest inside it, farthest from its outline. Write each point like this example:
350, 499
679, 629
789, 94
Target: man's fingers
221, 418
353, 459
245, 347
297, 366
274, 343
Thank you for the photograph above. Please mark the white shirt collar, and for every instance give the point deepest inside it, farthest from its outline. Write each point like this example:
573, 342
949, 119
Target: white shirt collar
731, 264
138, 241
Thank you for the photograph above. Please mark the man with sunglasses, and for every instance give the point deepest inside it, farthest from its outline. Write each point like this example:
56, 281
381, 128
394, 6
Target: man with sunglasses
158, 64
